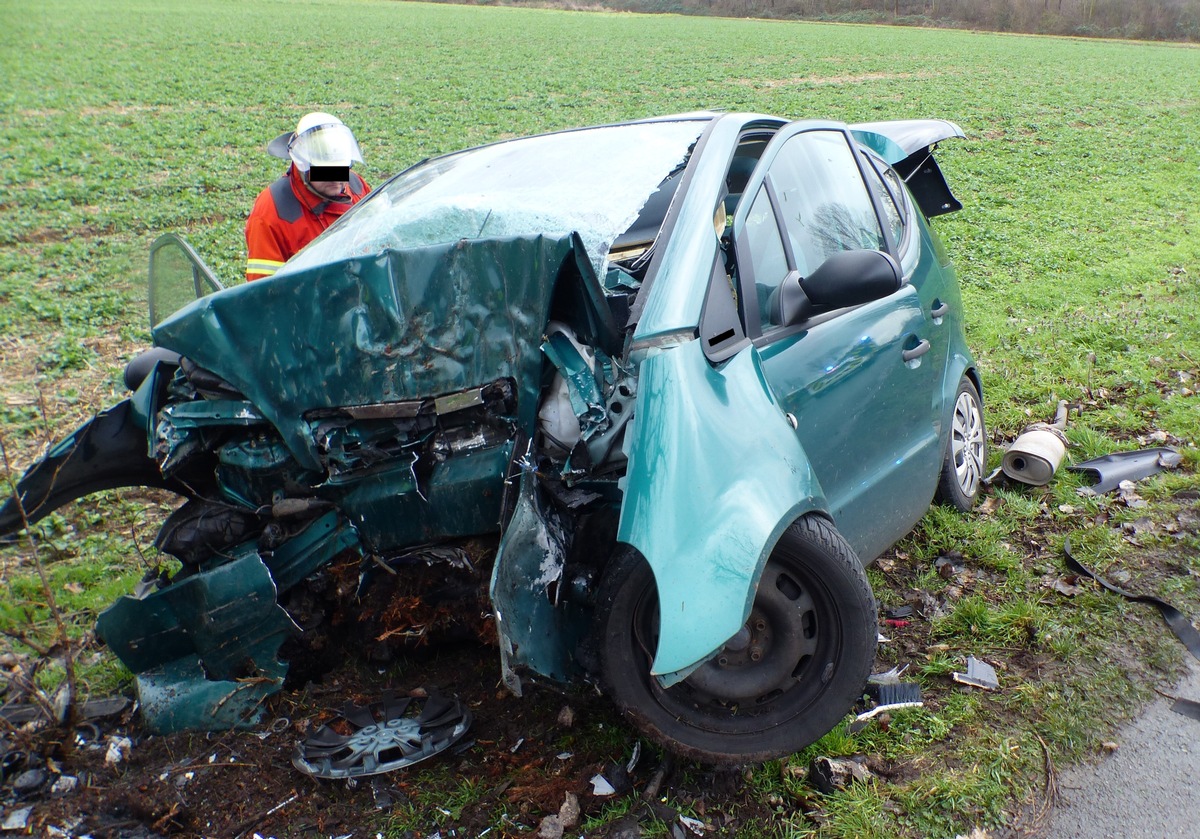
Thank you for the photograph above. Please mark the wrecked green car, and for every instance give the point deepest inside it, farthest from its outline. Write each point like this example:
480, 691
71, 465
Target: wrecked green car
693, 372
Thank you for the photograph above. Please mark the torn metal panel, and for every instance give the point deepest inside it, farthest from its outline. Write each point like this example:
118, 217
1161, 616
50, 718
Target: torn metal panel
538, 627
205, 647
578, 373
459, 496
228, 616
176, 696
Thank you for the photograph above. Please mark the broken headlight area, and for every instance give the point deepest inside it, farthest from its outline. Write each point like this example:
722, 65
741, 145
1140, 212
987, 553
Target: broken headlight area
353, 439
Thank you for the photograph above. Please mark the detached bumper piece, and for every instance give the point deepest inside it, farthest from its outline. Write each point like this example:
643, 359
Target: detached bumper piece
386, 735
205, 648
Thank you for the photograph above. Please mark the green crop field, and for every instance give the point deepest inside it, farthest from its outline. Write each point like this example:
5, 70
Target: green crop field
1078, 249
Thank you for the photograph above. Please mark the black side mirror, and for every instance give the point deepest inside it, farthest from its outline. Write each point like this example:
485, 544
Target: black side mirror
847, 278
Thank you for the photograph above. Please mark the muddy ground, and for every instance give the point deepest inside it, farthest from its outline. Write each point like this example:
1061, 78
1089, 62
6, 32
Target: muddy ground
523, 760
518, 763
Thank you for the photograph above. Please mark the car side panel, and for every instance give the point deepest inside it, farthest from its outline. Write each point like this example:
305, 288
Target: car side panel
715, 475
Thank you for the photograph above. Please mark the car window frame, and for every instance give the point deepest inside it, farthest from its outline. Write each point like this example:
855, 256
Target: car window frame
761, 178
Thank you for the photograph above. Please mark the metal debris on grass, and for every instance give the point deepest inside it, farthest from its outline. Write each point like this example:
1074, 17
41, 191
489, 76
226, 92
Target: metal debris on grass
1035, 455
979, 674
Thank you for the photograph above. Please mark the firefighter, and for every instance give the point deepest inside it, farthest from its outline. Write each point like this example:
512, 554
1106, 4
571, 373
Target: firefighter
317, 188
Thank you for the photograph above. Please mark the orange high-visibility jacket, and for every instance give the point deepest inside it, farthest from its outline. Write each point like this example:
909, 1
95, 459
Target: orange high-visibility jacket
288, 215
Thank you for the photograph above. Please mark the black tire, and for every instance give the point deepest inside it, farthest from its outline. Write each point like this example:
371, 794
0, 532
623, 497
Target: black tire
787, 678
965, 459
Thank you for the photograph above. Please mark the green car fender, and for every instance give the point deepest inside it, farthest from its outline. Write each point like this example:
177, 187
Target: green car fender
715, 475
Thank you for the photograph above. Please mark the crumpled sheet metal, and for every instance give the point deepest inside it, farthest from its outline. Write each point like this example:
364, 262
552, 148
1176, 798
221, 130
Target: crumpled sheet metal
535, 630
398, 325
191, 642
1109, 470
205, 648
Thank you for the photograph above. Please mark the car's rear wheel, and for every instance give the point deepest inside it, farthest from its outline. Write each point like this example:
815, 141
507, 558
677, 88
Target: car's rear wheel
966, 451
791, 673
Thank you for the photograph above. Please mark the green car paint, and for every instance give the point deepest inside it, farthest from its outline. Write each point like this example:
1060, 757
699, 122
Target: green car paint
385, 391
702, 519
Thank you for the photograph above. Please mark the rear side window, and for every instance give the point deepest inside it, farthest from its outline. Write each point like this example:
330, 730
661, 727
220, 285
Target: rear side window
892, 213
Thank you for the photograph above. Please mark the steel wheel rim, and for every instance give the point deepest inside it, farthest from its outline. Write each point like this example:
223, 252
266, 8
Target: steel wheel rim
967, 444
806, 637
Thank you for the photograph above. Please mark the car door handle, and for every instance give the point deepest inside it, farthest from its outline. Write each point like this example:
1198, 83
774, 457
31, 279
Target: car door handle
916, 352
939, 311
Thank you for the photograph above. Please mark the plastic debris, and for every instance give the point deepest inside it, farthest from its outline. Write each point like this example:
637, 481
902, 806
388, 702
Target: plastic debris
1178, 622
386, 735
891, 677
63, 785
634, 757
17, 819
118, 749
1109, 471
830, 774
979, 674
695, 825
601, 788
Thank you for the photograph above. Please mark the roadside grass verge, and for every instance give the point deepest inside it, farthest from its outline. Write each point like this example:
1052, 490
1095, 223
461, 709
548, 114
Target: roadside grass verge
1078, 250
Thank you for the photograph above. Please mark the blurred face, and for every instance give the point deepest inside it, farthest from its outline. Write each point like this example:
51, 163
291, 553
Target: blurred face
328, 181
329, 189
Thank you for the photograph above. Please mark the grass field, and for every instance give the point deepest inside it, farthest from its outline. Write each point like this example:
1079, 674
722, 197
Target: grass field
1078, 250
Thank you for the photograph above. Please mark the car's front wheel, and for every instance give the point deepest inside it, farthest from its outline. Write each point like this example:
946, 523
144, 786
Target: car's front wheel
966, 451
785, 679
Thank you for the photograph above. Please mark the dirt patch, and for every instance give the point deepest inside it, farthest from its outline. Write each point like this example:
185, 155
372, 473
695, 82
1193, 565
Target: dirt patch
516, 765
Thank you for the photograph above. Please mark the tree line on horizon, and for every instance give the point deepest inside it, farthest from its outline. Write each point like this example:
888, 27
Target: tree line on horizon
1160, 20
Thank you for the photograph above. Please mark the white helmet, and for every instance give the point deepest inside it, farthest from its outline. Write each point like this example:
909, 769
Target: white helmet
320, 139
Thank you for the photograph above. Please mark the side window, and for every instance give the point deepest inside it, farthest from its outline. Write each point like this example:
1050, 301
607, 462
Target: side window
891, 212
823, 200
768, 260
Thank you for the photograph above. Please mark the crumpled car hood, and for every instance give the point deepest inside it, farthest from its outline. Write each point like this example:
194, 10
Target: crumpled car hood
398, 325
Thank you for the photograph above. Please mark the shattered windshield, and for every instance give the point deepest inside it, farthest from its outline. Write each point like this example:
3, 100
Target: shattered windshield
592, 182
